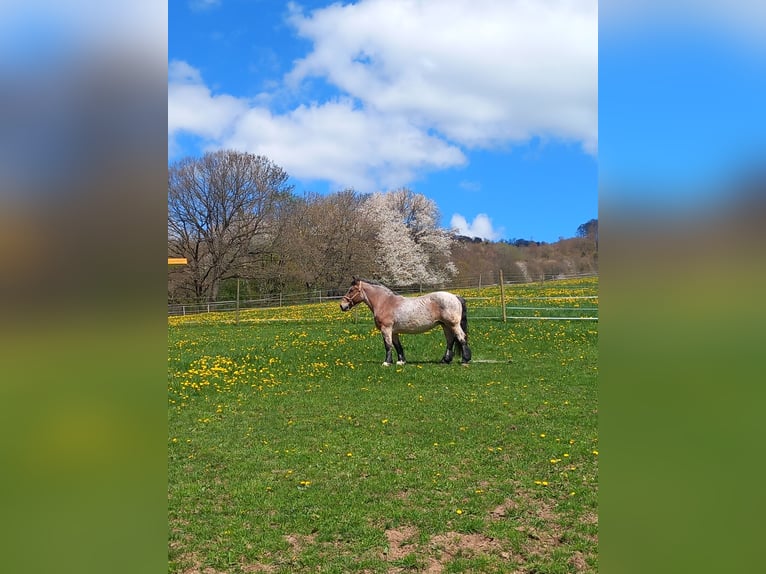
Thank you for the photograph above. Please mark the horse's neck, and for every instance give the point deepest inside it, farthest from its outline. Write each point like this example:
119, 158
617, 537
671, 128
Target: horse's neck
376, 294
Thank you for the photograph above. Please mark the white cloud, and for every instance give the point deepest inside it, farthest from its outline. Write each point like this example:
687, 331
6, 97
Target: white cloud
192, 108
335, 141
417, 83
345, 145
481, 226
481, 72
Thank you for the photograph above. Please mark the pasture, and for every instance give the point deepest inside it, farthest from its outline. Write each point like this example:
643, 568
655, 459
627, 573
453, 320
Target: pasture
291, 449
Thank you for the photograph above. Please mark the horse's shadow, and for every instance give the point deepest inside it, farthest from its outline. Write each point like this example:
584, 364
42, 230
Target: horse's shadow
432, 362
437, 362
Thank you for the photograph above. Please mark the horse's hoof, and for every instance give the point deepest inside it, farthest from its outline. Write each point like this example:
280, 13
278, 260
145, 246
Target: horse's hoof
400, 362
386, 364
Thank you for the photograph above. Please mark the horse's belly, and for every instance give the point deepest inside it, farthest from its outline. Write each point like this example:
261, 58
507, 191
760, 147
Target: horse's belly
413, 328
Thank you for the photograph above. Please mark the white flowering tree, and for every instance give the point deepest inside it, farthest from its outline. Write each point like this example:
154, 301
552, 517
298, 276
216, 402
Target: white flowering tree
411, 247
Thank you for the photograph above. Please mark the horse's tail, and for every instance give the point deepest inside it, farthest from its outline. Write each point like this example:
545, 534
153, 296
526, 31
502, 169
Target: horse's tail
464, 317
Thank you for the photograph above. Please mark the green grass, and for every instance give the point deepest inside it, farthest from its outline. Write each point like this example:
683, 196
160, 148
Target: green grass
291, 449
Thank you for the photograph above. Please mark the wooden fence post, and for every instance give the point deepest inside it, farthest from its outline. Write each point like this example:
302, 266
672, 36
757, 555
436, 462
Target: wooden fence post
236, 319
502, 296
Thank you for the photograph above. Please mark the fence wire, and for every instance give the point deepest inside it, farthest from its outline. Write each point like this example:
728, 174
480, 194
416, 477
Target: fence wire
322, 296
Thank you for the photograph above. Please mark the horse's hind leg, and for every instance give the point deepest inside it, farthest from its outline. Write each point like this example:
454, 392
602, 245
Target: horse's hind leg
461, 333
456, 337
399, 349
451, 340
465, 351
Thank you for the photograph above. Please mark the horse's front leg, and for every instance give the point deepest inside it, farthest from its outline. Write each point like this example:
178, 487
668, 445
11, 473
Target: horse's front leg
399, 349
387, 342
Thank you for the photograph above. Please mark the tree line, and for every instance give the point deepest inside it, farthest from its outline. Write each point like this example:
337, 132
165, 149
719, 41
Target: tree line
235, 215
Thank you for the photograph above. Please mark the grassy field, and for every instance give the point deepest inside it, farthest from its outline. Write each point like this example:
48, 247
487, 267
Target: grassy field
291, 449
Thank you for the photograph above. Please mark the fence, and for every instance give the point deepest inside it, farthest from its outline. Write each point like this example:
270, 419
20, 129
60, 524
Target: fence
527, 309
268, 302
519, 312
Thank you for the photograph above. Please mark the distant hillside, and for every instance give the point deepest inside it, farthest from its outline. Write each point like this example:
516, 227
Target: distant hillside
527, 260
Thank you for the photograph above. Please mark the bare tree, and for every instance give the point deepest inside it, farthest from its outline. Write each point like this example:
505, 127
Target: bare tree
411, 247
221, 211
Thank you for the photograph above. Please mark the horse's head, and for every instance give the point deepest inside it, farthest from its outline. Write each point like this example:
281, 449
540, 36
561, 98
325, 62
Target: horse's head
353, 296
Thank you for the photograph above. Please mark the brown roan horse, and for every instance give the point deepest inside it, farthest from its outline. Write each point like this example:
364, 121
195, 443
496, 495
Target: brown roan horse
395, 314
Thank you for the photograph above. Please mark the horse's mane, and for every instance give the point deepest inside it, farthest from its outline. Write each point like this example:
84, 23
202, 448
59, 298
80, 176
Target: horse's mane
375, 283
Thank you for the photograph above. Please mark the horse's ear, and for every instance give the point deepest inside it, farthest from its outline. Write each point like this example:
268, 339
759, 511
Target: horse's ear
355, 279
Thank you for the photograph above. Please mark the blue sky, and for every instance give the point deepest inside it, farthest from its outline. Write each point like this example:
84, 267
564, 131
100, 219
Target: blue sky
488, 108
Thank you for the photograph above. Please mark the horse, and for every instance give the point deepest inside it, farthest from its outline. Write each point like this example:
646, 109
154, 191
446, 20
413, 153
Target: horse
395, 314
